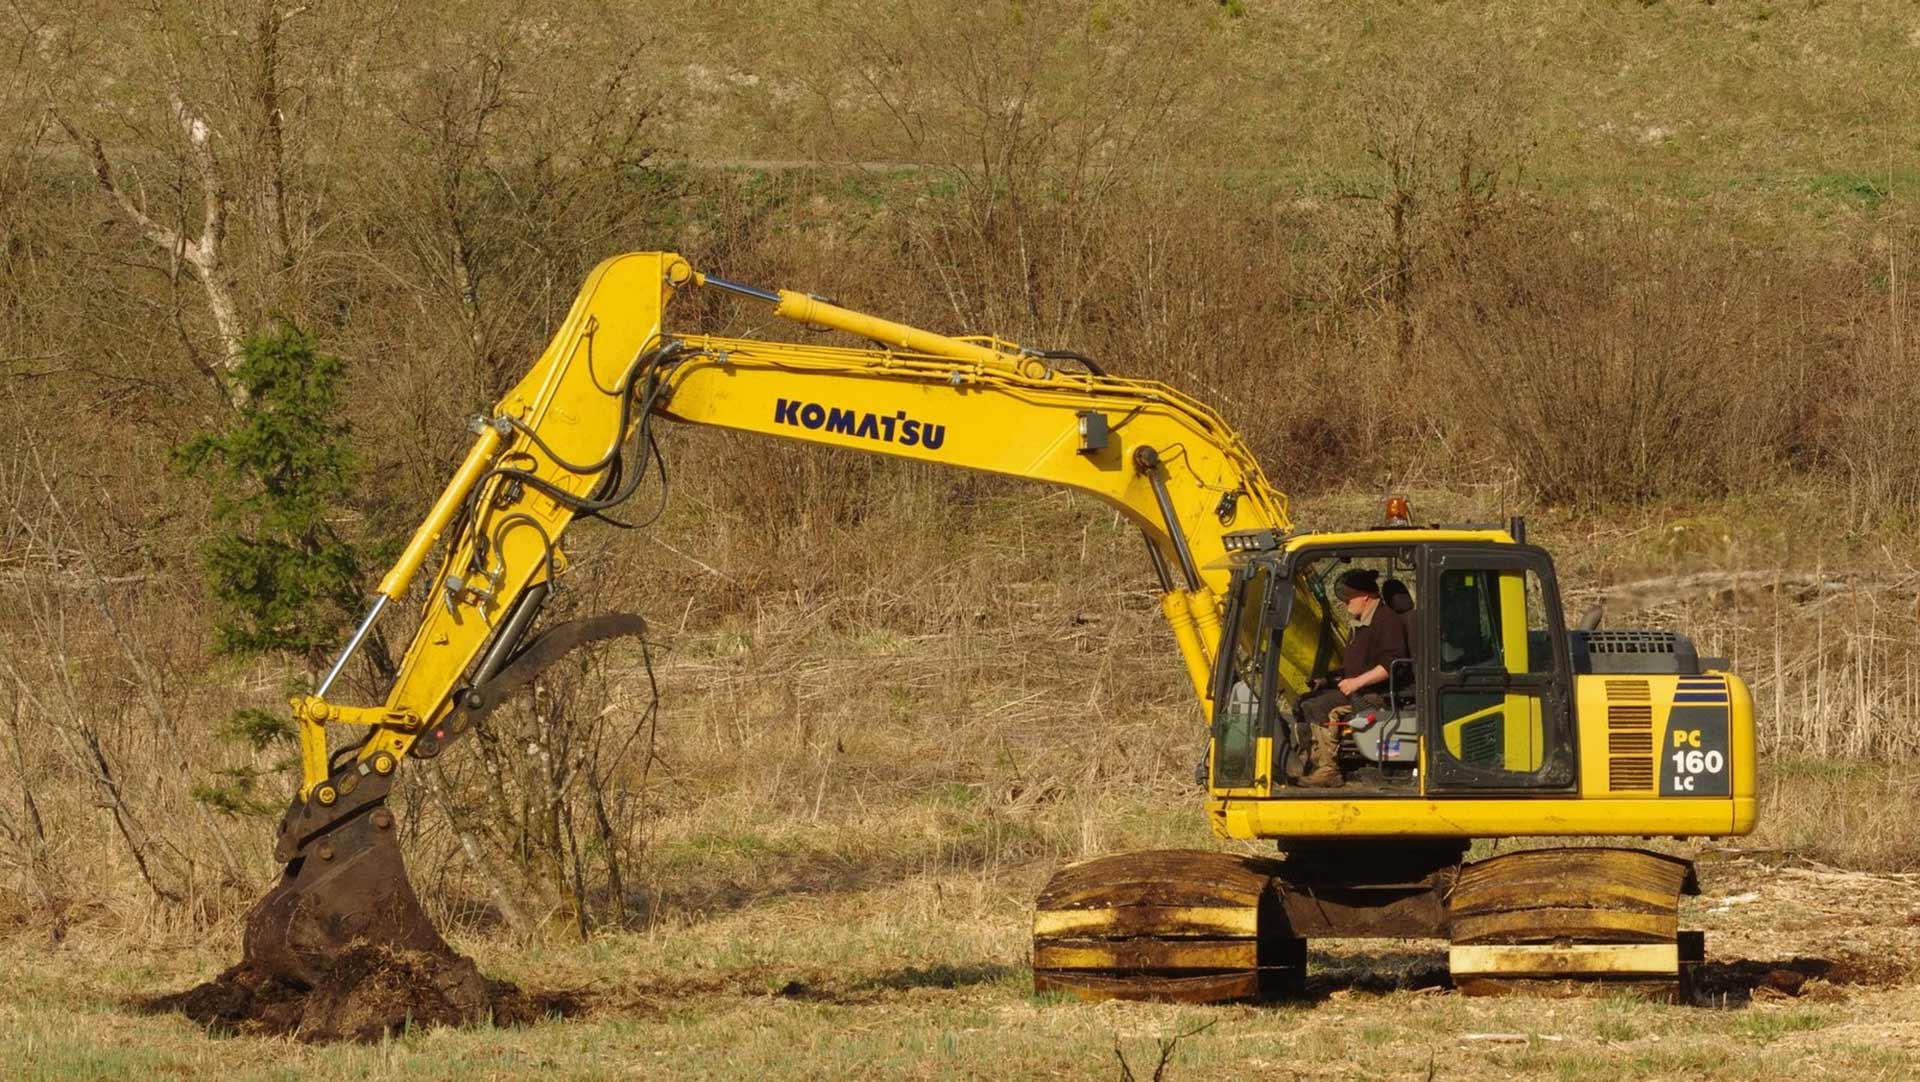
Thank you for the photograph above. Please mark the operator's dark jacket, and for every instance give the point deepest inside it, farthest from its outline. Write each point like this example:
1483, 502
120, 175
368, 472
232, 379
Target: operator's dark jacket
1382, 642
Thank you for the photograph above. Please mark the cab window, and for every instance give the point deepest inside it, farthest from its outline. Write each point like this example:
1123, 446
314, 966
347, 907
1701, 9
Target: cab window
1493, 619
1493, 634
1241, 685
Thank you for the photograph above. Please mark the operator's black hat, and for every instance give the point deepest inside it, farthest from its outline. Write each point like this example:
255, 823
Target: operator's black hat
1357, 582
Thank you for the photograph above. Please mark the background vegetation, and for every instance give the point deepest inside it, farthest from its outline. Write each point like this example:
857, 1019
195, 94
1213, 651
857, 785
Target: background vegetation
1643, 271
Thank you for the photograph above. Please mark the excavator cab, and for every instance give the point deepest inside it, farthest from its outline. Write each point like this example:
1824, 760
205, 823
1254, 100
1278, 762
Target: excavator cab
1483, 704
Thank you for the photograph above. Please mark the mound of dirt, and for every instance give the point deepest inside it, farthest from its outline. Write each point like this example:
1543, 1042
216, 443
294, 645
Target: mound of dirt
367, 993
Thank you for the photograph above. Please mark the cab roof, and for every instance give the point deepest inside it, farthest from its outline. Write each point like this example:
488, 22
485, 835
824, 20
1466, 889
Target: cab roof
1245, 546
1400, 535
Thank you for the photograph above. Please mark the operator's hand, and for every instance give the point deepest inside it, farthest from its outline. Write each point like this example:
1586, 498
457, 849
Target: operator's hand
1350, 685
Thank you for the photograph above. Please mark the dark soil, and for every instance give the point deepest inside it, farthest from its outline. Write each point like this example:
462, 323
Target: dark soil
1738, 982
367, 993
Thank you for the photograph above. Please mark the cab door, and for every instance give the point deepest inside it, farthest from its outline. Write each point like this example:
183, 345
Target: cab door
1243, 688
1495, 688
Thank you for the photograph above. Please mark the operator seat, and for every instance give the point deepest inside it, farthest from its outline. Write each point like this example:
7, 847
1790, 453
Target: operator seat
1396, 596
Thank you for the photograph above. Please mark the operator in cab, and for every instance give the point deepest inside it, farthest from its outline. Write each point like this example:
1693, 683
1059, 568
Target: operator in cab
1379, 639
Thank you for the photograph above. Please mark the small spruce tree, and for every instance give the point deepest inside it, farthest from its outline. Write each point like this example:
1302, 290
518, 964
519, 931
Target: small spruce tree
285, 580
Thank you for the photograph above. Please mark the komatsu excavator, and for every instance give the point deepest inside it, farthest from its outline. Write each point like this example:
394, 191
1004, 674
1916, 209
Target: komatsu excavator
1504, 722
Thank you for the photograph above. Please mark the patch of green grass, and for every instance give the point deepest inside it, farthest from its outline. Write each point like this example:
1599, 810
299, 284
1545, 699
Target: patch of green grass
1767, 1026
1885, 1060
1815, 769
1584, 1067
1851, 186
1683, 1060
696, 849
954, 794
1614, 1025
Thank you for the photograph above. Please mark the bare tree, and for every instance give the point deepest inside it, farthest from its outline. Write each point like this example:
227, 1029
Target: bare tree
516, 159
201, 255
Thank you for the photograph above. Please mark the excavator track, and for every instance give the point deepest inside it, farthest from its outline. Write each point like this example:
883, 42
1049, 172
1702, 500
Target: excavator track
1572, 921
1199, 927
1177, 925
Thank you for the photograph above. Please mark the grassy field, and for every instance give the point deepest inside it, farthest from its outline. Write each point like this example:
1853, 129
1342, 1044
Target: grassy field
920, 972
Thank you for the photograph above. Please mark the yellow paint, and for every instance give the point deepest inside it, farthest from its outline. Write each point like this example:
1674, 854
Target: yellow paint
616, 314
1593, 694
485, 446
1161, 954
1178, 613
1584, 959
1523, 734
1479, 817
998, 410
1215, 920
1387, 538
1740, 735
812, 311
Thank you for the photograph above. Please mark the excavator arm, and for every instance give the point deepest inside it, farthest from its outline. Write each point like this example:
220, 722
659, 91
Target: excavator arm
571, 439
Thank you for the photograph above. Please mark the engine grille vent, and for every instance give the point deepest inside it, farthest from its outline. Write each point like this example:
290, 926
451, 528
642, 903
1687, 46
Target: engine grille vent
1629, 743
1633, 691
1630, 653
1630, 775
1632, 642
1629, 736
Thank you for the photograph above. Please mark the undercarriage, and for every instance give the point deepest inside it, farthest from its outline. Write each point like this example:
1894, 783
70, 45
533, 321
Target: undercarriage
1206, 927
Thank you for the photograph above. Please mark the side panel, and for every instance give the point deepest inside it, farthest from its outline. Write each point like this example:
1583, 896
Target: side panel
1679, 737
1631, 782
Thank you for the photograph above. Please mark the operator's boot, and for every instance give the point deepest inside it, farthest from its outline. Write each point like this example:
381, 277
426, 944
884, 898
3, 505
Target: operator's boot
1325, 760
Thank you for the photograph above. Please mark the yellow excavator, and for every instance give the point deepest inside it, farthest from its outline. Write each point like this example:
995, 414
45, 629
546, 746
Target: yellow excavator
1503, 722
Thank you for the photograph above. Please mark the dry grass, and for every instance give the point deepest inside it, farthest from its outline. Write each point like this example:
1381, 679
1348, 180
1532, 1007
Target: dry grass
862, 781
921, 974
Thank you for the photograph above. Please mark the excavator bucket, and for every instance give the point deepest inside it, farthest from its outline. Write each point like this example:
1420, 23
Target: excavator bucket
346, 887
344, 884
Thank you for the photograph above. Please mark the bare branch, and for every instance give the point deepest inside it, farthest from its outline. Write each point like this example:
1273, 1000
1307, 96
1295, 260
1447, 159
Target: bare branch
199, 133
273, 193
173, 242
202, 255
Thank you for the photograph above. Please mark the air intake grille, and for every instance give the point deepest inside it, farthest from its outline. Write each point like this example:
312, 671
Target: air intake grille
1630, 775
1629, 743
1483, 741
1629, 736
1629, 691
